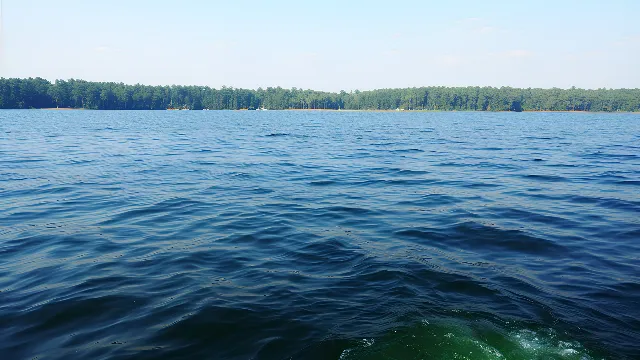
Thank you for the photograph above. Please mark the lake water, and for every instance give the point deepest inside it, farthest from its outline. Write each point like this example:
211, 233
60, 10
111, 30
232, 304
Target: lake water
319, 235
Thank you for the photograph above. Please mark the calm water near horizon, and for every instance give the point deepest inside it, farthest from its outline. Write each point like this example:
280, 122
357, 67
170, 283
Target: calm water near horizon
319, 235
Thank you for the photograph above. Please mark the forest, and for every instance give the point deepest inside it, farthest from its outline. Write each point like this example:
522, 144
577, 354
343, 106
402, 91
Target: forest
37, 93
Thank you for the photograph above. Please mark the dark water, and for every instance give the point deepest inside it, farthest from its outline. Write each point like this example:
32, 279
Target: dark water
273, 235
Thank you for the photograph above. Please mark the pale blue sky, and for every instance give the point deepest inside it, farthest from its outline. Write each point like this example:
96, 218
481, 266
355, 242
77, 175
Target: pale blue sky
326, 45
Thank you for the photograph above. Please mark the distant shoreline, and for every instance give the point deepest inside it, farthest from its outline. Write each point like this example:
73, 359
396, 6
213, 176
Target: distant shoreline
72, 94
67, 108
361, 110
474, 111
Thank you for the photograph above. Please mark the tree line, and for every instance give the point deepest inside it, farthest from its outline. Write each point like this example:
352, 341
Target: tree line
41, 93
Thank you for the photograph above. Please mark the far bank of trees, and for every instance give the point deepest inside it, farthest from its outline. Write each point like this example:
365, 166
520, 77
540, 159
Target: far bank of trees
40, 93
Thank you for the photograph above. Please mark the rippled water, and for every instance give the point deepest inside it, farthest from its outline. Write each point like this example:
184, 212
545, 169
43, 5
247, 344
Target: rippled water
319, 235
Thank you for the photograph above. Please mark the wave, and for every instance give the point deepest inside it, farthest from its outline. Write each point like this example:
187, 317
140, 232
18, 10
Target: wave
474, 236
455, 340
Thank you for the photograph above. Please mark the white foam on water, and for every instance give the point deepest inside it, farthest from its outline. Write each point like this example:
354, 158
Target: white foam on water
458, 341
491, 352
344, 354
368, 342
546, 344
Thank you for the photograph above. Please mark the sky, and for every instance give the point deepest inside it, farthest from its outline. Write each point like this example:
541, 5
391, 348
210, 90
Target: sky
325, 45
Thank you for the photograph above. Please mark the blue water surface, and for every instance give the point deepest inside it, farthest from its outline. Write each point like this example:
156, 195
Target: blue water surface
319, 235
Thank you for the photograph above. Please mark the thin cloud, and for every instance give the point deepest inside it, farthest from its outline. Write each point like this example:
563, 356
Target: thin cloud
105, 49
518, 54
486, 29
450, 60
469, 20
392, 52
628, 41
477, 25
